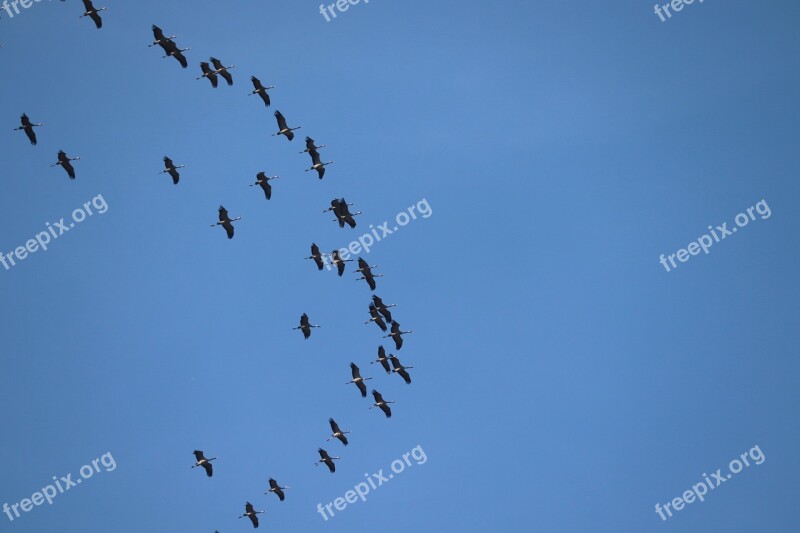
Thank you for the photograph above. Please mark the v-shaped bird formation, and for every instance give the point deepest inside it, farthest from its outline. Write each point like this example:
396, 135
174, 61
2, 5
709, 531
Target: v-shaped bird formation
379, 312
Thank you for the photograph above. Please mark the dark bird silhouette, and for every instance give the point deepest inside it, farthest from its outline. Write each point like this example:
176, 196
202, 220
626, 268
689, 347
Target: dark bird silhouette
208, 73
317, 164
160, 39
400, 369
168, 45
27, 126
202, 461
93, 13
311, 146
366, 273
260, 90
376, 317
283, 129
171, 50
305, 326
226, 222
327, 459
277, 489
396, 334
382, 360
337, 433
64, 162
383, 308
382, 404
338, 262
317, 256
172, 170
263, 180
358, 380
222, 70
251, 513
341, 209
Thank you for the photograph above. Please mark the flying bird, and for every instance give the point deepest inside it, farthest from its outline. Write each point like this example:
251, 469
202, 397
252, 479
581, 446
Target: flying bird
27, 126
171, 50
208, 73
358, 380
396, 334
283, 129
277, 489
222, 70
64, 162
382, 360
327, 459
382, 404
337, 433
160, 39
93, 13
305, 326
376, 317
311, 146
317, 256
226, 222
338, 262
263, 180
172, 170
383, 308
341, 209
366, 273
260, 90
400, 369
251, 513
317, 164
202, 461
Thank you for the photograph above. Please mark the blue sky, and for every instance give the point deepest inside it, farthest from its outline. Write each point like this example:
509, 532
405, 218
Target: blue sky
563, 381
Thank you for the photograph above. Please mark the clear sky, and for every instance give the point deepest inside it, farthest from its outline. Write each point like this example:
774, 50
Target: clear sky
563, 380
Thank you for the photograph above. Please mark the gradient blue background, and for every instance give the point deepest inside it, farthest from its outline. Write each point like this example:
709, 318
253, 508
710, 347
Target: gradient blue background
563, 381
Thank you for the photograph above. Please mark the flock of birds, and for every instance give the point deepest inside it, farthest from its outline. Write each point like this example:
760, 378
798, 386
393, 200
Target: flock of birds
379, 312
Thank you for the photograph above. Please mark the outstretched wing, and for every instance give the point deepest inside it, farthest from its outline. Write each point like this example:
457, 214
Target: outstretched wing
31, 134
281, 120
